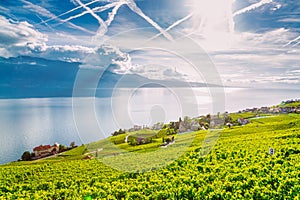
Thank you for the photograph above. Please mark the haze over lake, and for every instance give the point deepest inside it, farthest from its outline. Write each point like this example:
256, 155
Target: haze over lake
26, 123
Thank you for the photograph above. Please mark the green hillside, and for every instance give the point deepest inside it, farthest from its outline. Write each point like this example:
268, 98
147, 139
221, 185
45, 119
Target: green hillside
238, 167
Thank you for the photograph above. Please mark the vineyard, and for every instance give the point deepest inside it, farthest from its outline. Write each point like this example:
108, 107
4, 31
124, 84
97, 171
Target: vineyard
239, 166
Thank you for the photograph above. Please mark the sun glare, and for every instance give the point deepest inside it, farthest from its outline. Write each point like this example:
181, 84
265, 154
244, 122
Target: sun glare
213, 21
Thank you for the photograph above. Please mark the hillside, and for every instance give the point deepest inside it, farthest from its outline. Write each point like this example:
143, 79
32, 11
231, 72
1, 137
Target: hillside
238, 167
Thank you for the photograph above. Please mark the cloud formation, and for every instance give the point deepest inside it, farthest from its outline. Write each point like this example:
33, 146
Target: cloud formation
19, 38
261, 44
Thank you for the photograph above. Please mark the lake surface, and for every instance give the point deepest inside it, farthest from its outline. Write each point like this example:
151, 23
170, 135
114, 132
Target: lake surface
26, 123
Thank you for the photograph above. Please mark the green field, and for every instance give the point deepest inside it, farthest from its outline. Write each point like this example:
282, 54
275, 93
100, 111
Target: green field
238, 167
294, 104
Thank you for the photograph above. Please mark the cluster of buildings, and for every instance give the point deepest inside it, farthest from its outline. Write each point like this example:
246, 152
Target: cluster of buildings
195, 124
181, 125
272, 110
191, 125
284, 108
156, 126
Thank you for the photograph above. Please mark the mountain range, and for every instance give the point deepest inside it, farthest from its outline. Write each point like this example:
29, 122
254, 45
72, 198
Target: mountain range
33, 77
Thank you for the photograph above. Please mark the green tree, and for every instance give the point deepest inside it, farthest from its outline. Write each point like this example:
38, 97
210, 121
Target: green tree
227, 119
208, 118
186, 119
72, 144
26, 156
62, 148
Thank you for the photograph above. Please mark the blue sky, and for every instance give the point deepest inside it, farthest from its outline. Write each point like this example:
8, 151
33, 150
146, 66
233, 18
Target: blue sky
251, 42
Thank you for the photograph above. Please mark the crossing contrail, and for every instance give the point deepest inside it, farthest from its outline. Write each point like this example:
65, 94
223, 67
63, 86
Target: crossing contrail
132, 5
112, 14
102, 28
173, 25
52, 29
69, 11
103, 25
96, 9
46, 13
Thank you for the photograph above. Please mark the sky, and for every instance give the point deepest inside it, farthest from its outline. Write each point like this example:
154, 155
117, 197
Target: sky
253, 43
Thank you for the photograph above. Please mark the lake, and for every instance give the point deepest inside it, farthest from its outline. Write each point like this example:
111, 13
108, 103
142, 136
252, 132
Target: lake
26, 123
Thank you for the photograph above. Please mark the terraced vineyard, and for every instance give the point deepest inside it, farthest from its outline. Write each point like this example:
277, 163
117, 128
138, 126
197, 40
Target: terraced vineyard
238, 167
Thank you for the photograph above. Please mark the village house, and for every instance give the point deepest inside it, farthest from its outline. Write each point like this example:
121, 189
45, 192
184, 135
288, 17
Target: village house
195, 126
275, 110
184, 126
243, 121
216, 122
265, 109
137, 127
46, 150
157, 126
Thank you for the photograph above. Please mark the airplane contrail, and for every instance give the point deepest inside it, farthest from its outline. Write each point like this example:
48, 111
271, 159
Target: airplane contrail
132, 5
102, 28
292, 41
96, 9
46, 13
112, 14
173, 25
104, 24
69, 11
296, 44
52, 29
252, 7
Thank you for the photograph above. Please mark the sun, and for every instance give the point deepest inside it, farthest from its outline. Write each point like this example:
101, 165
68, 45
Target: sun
213, 21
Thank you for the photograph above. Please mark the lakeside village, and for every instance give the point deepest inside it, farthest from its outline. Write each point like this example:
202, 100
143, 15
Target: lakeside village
167, 131
138, 135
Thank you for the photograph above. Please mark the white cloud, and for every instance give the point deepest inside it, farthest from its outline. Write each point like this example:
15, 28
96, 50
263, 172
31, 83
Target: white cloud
259, 58
104, 56
108, 57
20, 38
70, 53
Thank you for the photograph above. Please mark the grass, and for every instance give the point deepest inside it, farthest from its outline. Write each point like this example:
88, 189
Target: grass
294, 104
238, 167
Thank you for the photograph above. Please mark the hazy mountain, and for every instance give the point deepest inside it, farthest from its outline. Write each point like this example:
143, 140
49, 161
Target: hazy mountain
27, 77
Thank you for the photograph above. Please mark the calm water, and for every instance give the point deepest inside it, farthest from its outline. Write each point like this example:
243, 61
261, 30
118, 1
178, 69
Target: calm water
26, 123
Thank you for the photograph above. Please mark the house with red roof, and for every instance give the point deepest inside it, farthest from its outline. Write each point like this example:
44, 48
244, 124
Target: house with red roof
45, 150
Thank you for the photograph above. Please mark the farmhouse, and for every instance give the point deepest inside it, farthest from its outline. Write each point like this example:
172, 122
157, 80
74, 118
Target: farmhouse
243, 121
45, 150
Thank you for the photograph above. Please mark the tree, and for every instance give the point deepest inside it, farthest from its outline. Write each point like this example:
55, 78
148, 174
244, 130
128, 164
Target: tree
119, 132
73, 144
170, 131
208, 118
62, 148
206, 126
227, 119
26, 156
186, 119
